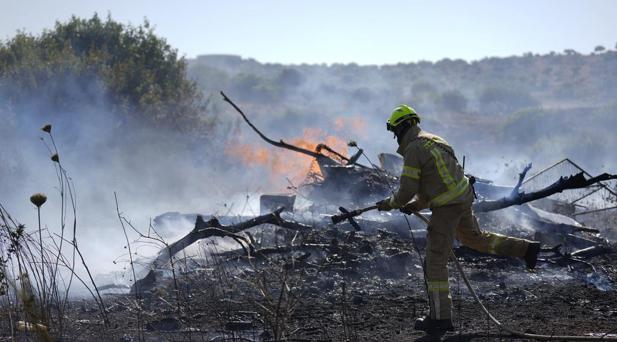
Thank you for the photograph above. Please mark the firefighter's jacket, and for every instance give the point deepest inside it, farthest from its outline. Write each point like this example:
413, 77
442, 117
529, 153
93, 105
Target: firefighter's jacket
430, 171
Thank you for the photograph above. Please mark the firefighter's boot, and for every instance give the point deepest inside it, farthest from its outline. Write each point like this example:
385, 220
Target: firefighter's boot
433, 326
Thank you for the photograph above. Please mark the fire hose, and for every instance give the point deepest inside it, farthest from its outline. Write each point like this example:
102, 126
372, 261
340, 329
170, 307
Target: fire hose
514, 332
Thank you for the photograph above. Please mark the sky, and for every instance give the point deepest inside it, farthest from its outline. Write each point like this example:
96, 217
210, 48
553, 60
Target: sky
328, 31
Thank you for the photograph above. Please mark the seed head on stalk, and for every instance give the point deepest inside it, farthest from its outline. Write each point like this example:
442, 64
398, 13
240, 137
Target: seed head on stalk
55, 158
38, 199
46, 128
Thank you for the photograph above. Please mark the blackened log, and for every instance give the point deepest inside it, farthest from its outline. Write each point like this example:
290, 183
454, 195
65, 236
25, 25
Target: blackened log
213, 228
563, 183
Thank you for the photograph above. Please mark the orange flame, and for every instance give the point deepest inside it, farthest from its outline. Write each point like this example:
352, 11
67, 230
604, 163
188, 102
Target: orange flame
282, 163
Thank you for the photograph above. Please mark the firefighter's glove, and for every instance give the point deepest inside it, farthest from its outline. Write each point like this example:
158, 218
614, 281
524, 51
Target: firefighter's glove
410, 208
384, 205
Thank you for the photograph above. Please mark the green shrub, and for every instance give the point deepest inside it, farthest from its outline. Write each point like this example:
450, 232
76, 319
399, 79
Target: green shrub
87, 60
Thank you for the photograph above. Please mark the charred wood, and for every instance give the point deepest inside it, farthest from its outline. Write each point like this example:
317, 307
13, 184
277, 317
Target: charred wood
213, 228
517, 198
321, 158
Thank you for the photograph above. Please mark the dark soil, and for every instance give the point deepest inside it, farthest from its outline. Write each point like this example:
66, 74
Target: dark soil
359, 288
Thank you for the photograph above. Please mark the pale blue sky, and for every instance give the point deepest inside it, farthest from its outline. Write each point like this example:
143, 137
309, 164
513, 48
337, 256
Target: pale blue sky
365, 32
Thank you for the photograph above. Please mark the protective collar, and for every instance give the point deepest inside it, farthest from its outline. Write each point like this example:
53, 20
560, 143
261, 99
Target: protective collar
412, 134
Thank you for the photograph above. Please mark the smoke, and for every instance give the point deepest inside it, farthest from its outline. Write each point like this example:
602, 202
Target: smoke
507, 121
152, 170
223, 171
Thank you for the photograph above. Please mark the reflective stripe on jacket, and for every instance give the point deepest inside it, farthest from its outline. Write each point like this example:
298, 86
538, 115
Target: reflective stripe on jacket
431, 171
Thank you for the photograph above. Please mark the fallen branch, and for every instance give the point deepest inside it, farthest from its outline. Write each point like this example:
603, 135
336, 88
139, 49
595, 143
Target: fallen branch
321, 158
279, 143
563, 183
213, 228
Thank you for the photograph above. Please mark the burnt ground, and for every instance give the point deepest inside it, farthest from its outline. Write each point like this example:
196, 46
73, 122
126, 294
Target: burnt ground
351, 286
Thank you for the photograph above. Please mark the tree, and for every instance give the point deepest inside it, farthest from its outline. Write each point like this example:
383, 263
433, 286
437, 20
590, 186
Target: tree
452, 100
134, 71
253, 87
289, 78
599, 48
423, 91
505, 100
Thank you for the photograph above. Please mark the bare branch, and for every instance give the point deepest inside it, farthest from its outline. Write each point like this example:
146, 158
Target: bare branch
563, 183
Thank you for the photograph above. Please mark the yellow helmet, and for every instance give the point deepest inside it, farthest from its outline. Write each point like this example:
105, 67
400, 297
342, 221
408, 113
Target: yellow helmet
401, 114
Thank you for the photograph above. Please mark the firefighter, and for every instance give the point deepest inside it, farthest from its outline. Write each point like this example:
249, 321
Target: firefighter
433, 178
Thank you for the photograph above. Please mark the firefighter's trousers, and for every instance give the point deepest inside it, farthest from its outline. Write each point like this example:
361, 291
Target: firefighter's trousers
458, 221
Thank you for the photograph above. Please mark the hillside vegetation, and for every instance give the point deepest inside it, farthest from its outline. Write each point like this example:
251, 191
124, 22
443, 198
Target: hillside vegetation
493, 86
532, 107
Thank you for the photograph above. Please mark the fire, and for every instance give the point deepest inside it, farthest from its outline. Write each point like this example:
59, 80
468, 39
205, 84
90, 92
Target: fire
282, 163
